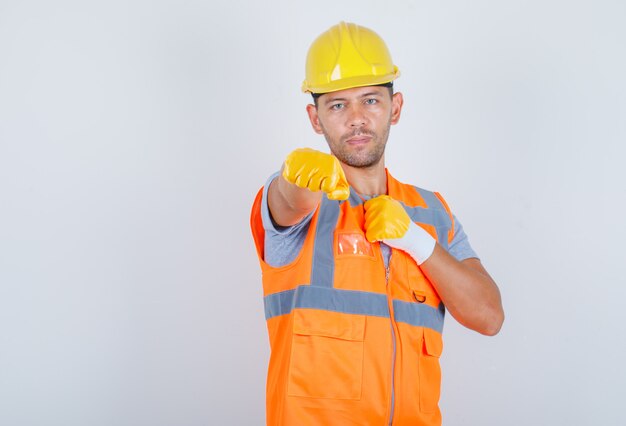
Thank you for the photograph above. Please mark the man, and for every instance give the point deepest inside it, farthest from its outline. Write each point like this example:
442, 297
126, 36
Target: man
357, 267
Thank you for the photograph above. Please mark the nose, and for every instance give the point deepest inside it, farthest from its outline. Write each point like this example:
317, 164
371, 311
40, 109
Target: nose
357, 118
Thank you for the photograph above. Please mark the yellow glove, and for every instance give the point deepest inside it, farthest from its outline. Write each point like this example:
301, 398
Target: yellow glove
387, 221
385, 218
316, 171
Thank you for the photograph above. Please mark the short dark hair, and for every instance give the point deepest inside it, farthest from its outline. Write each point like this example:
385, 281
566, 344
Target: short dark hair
388, 85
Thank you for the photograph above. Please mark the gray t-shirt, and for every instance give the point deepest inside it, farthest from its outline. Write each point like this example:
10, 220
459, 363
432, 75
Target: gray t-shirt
282, 244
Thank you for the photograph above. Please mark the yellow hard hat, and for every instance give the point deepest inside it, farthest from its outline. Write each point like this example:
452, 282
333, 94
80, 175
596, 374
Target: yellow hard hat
345, 56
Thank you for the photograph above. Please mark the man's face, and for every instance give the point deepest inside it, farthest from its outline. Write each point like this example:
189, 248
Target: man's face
356, 122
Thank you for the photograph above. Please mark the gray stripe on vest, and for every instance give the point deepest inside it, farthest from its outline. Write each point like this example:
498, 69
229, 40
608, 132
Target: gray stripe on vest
419, 314
353, 302
343, 301
436, 215
327, 299
278, 303
437, 218
323, 266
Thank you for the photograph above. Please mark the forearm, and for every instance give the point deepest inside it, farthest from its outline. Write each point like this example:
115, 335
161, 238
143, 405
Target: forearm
288, 203
467, 290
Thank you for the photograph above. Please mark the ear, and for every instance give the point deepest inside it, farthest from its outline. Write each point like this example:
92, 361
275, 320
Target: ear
396, 107
314, 119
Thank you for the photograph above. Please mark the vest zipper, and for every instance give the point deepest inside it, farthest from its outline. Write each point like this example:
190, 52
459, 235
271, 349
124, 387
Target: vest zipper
393, 339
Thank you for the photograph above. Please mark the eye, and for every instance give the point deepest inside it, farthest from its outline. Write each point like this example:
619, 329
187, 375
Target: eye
371, 101
337, 107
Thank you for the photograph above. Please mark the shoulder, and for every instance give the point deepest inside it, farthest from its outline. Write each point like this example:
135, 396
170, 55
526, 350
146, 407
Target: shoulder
278, 245
416, 196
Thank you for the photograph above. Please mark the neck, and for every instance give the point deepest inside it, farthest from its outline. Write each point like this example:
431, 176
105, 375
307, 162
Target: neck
367, 181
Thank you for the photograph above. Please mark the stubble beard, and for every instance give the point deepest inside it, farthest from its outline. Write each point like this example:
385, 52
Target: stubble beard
368, 156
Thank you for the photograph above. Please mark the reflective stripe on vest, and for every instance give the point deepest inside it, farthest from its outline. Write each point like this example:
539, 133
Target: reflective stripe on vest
353, 302
323, 267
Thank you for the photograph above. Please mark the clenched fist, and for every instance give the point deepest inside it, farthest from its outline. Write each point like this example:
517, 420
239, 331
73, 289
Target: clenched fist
316, 171
385, 218
387, 221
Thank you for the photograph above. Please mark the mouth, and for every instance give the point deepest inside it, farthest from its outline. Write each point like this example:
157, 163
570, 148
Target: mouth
359, 140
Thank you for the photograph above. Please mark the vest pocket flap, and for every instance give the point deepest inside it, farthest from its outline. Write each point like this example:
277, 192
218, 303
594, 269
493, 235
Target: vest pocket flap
433, 342
326, 359
313, 322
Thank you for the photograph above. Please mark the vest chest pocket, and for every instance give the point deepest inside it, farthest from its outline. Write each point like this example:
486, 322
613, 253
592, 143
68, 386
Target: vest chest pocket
326, 355
353, 244
430, 370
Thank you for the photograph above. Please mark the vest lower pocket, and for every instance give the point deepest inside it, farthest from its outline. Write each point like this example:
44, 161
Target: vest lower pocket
430, 371
326, 355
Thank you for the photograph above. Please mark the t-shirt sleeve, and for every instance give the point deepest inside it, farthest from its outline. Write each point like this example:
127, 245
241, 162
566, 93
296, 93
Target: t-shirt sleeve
460, 246
282, 243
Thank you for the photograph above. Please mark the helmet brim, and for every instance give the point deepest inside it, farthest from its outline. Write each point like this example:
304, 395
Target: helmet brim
351, 82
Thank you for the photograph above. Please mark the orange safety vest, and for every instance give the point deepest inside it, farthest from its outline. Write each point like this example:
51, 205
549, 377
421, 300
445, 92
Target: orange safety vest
353, 342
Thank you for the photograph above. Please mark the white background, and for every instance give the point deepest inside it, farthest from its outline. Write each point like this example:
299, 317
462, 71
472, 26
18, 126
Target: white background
134, 135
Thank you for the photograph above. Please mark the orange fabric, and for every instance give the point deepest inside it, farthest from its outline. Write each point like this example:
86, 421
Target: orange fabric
332, 368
